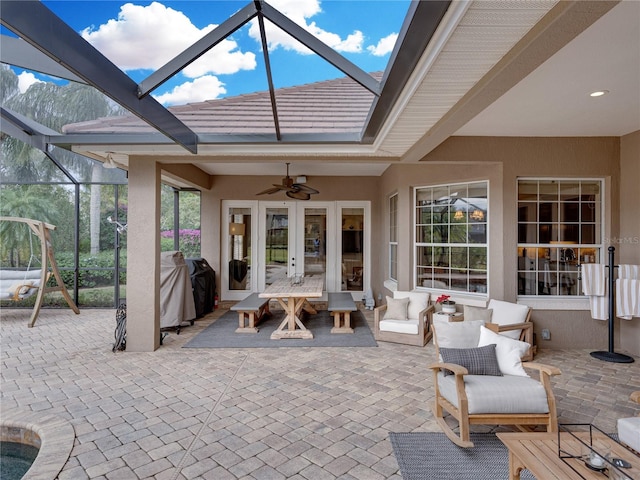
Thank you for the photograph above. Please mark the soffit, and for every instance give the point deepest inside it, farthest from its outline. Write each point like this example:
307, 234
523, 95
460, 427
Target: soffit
474, 38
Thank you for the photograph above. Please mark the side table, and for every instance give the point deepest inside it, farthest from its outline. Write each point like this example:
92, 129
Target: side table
449, 317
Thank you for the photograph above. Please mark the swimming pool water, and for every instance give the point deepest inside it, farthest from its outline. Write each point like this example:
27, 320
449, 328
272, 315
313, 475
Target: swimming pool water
16, 459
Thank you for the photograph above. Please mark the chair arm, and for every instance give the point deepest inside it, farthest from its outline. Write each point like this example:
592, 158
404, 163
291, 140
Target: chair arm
378, 314
545, 369
453, 367
526, 327
425, 319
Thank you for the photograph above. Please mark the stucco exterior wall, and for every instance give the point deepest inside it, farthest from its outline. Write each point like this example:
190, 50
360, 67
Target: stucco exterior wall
628, 245
502, 161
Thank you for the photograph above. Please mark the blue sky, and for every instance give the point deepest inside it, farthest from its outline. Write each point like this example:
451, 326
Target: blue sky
140, 37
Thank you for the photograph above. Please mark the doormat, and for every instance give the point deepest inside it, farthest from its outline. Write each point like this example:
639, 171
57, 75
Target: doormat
221, 333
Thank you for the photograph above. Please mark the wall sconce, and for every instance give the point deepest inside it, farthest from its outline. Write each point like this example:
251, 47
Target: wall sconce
237, 229
477, 215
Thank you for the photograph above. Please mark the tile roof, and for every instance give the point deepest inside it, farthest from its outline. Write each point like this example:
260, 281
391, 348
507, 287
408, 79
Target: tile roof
332, 106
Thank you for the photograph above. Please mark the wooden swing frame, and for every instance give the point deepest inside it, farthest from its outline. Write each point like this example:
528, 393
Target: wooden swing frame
43, 231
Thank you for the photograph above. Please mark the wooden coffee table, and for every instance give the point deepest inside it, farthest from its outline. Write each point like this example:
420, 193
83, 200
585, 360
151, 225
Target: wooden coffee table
538, 453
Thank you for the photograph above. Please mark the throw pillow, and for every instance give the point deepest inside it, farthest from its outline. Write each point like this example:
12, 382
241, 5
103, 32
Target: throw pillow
396, 308
478, 361
508, 351
457, 334
477, 313
418, 301
507, 313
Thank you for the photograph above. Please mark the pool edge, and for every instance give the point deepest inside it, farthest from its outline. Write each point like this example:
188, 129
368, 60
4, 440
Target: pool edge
57, 437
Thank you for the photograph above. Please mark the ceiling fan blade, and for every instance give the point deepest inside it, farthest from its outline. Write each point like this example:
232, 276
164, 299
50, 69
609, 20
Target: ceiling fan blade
268, 191
304, 188
298, 195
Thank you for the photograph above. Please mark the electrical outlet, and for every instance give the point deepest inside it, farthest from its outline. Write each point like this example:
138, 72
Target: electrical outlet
546, 334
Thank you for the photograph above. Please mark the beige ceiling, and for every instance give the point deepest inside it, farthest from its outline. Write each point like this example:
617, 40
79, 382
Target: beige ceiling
493, 68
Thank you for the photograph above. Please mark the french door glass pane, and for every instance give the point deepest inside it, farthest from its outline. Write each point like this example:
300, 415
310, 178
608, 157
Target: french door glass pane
240, 249
352, 248
276, 244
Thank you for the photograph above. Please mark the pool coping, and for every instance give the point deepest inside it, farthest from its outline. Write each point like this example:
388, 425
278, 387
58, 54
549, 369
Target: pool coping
56, 436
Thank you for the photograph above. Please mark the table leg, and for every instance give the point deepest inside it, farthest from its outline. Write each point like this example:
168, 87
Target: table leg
293, 306
515, 466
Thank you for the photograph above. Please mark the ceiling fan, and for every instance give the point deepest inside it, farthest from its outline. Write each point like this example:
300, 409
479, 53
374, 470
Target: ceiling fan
292, 190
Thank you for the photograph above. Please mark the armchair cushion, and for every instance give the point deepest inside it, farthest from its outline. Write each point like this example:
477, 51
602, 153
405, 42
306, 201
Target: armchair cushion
457, 334
477, 313
509, 394
418, 301
507, 313
508, 351
396, 309
477, 361
399, 326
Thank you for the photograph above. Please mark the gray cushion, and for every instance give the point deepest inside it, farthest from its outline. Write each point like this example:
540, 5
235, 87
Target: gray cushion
477, 313
478, 361
396, 308
492, 394
457, 334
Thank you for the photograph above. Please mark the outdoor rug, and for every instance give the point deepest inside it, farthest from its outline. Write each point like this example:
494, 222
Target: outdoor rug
432, 456
221, 333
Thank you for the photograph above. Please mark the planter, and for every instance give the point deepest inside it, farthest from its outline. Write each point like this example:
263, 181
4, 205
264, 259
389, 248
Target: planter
449, 306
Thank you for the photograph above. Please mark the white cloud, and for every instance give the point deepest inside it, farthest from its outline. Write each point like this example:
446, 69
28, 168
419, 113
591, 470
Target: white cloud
300, 11
148, 37
384, 46
25, 80
204, 88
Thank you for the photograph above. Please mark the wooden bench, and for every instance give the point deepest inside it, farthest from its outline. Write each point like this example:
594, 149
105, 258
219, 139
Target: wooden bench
340, 305
253, 309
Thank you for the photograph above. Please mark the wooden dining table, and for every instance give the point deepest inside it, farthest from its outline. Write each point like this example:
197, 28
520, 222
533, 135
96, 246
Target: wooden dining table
294, 298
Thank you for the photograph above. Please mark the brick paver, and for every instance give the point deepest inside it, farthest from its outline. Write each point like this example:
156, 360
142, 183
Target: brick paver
284, 413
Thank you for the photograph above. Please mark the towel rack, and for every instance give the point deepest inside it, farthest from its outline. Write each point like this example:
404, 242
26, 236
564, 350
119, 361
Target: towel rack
611, 355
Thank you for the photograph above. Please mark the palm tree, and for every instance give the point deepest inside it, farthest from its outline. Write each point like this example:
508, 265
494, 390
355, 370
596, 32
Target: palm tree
55, 106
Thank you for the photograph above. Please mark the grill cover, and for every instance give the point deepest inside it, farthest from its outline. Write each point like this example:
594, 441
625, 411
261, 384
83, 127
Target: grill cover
176, 296
203, 280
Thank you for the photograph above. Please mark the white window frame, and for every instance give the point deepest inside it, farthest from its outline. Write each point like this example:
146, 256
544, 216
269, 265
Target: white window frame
455, 293
393, 237
558, 301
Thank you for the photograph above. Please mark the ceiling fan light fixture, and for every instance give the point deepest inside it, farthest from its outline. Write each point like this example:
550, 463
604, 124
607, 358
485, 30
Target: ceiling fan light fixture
292, 190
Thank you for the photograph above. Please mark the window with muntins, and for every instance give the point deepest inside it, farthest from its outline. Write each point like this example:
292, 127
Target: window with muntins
393, 237
559, 228
451, 237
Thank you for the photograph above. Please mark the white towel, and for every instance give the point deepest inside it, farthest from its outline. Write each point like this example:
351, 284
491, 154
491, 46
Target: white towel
627, 298
594, 285
593, 279
629, 271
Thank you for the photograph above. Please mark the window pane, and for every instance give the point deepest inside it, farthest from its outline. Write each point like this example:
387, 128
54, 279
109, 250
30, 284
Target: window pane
528, 190
458, 234
527, 212
570, 212
478, 233
423, 234
549, 212
548, 190
569, 191
527, 233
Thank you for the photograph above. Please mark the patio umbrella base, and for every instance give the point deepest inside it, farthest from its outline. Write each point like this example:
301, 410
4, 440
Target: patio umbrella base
612, 357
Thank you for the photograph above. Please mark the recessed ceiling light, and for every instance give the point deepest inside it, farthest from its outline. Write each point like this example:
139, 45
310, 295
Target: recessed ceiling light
598, 93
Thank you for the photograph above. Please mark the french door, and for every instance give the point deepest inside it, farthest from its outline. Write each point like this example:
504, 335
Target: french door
272, 240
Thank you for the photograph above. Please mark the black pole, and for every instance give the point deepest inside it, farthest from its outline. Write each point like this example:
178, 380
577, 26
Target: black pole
611, 355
